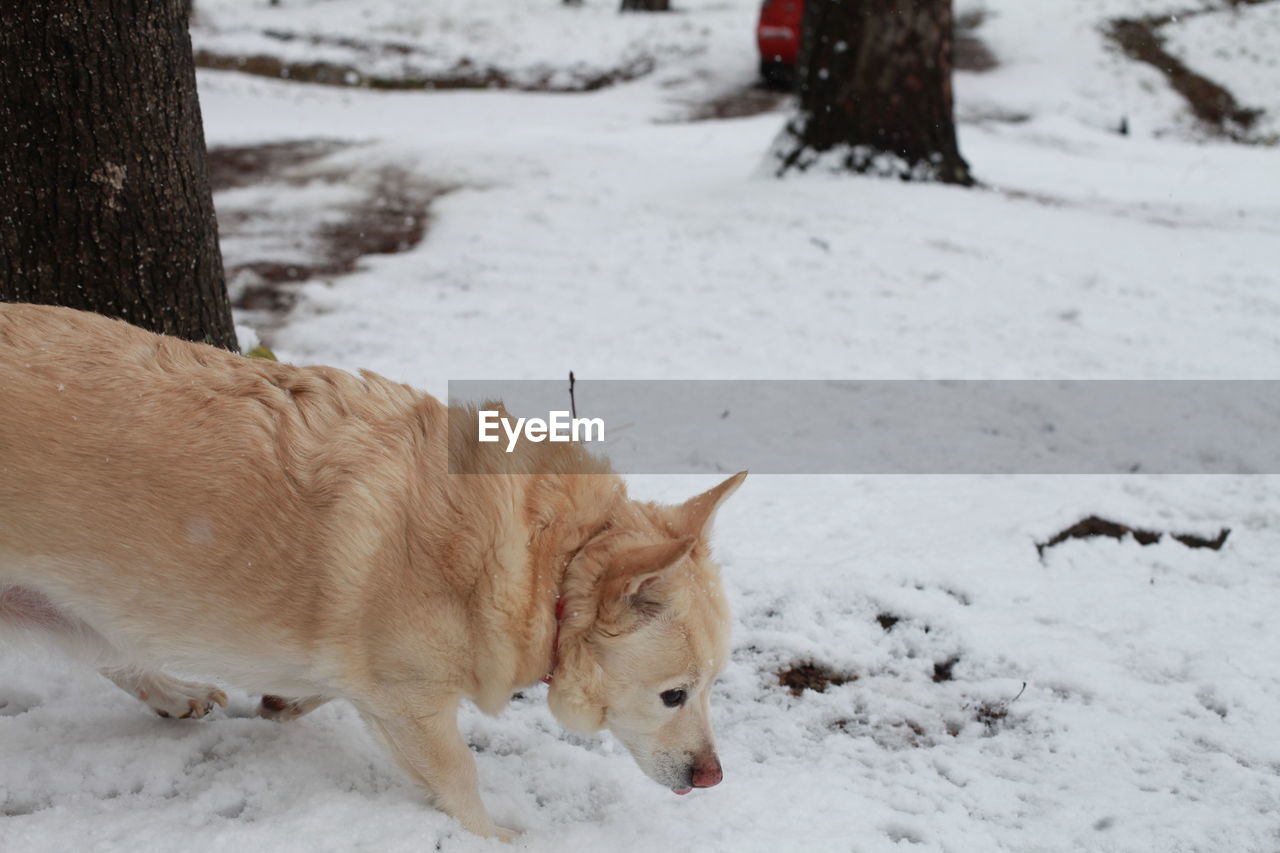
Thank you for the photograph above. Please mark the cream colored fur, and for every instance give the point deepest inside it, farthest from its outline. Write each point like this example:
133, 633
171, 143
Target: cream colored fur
295, 531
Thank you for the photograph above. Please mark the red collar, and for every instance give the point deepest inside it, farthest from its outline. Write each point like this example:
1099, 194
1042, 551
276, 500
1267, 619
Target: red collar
555, 643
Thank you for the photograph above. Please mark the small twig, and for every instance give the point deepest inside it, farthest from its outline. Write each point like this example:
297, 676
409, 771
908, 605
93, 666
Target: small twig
573, 406
1019, 696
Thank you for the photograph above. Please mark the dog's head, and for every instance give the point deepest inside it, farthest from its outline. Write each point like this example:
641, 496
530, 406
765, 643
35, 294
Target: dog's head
645, 633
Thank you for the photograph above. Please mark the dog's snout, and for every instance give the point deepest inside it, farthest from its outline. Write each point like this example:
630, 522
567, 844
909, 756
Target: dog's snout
707, 773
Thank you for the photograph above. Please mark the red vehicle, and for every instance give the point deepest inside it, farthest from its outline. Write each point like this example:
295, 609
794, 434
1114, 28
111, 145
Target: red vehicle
778, 36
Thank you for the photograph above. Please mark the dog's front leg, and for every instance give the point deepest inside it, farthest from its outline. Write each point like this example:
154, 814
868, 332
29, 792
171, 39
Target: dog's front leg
423, 737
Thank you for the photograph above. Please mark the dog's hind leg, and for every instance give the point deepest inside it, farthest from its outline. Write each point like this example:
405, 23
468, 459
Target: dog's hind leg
28, 617
28, 614
167, 696
281, 709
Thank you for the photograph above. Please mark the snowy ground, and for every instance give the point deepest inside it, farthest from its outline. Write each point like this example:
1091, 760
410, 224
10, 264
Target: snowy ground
598, 232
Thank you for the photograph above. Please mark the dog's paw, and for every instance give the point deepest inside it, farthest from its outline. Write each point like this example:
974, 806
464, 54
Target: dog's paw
283, 710
493, 830
278, 708
181, 700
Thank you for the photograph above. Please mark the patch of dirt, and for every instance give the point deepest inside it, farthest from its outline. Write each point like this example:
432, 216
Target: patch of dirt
812, 676
463, 75
992, 715
1095, 526
1193, 541
944, 670
968, 51
268, 250
391, 218
1211, 103
740, 103
888, 620
240, 166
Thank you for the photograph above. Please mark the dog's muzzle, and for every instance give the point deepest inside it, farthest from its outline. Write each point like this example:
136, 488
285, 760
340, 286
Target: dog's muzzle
705, 774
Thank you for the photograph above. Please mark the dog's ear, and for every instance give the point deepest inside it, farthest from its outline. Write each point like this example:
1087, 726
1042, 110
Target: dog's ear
578, 695
633, 569
693, 517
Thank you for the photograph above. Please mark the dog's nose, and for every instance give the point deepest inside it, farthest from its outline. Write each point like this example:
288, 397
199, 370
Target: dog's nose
707, 773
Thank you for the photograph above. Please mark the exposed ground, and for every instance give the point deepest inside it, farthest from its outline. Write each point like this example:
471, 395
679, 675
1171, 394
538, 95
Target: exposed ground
464, 75
1210, 102
1095, 526
287, 216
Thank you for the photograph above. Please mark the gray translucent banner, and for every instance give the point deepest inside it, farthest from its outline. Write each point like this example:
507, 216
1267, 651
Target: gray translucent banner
895, 427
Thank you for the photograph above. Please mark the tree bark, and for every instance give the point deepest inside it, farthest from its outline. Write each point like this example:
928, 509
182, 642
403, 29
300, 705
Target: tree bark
106, 200
646, 6
875, 91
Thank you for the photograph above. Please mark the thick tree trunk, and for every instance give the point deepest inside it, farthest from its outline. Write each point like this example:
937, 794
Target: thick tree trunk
106, 201
646, 5
875, 91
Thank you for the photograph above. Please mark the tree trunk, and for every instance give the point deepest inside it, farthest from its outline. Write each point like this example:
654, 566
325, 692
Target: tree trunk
646, 5
875, 91
106, 201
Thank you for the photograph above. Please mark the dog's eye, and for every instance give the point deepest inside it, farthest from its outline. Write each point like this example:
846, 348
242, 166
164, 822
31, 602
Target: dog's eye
673, 698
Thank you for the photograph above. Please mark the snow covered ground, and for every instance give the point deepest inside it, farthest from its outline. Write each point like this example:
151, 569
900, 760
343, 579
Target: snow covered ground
602, 233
